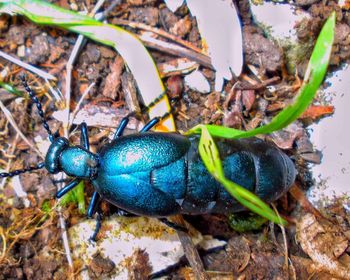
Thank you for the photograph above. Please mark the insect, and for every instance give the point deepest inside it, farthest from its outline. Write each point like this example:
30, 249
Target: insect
161, 174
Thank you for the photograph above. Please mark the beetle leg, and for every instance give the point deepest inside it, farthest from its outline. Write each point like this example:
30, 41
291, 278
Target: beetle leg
173, 225
150, 124
67, 188
121, 127
97, 228
84, 138
93, 203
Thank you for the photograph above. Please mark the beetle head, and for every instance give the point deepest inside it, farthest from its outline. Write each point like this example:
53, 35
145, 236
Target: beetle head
75, 161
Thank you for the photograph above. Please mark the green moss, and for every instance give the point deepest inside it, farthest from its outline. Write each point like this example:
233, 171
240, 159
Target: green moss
243, 222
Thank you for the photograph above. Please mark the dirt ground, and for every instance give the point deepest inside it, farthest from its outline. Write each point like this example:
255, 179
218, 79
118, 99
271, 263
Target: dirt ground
30, 242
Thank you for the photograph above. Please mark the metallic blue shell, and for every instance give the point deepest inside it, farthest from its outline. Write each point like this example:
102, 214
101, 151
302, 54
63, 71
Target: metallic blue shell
158, 174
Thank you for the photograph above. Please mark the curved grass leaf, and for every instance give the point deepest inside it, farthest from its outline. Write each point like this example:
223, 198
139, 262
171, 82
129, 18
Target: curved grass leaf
211, 159
129, 46
315, 73
313, 78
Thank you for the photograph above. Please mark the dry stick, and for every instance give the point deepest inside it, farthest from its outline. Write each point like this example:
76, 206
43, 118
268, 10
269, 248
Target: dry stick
190, 250
15, 126
300, 196
286, 255
56, 93
27, 66
77, 108
261, 85
175, 50
17, 187
64, 237
160, 32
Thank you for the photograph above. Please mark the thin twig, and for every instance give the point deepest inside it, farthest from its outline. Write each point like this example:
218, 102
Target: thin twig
300, 196
17, 187
65, 238
102, 16
3, 237
27, 66
86, 92
55, 93
160, 32
8, 115
14, 144
190, 250
258, 86
176, 50
286, 257
69, 69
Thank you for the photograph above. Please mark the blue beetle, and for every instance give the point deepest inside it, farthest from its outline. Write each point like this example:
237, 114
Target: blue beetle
161, 174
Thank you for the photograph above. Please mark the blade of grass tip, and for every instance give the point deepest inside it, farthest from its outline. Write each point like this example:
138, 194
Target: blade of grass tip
211, 159
11, 89
315, 74
251, 201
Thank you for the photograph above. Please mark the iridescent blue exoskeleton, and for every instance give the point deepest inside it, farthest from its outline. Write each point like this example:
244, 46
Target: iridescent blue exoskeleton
161, 174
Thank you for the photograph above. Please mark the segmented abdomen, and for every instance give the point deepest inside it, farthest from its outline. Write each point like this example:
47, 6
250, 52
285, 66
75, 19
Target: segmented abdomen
251, 163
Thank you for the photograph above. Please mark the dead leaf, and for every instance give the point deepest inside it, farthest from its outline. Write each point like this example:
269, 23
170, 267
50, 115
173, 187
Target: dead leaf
113, 79
315, 112
324, 242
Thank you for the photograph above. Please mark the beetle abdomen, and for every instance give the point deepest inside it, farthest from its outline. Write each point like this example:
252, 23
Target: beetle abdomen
172, 178
252, 163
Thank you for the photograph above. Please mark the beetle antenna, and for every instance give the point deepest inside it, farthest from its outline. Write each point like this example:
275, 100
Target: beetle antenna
155, 101
21, 171
148, 107
38, 106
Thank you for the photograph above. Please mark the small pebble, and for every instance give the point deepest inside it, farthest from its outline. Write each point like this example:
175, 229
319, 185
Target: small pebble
21, 51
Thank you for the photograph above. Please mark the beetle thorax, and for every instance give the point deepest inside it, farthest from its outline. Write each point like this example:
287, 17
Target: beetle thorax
75, 161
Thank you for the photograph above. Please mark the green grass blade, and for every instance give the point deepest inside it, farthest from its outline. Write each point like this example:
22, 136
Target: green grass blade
315, 74
211, 159
11, 89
